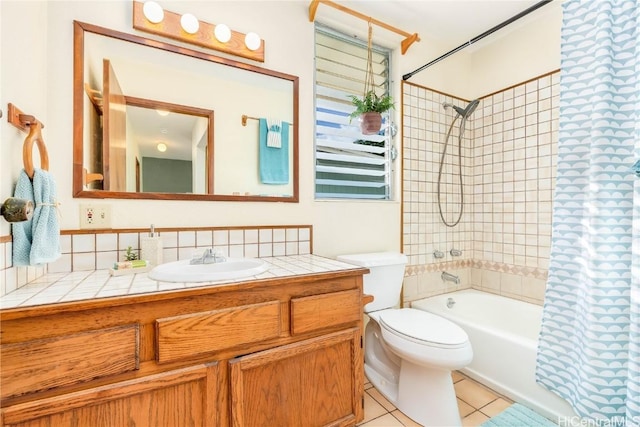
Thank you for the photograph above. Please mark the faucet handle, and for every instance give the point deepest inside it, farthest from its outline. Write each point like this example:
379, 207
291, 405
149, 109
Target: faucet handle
438, 254
455, 252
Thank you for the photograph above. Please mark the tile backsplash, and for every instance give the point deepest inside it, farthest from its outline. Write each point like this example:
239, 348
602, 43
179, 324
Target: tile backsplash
99, 249
508, 169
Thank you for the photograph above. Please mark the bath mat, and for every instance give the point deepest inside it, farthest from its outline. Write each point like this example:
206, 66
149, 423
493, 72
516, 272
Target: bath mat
517, 415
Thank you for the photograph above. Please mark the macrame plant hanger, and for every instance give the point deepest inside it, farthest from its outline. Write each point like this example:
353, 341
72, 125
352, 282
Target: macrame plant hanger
370, 122
369, 82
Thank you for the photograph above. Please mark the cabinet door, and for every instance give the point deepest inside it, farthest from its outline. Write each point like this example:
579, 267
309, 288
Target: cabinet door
182, 397
316, 382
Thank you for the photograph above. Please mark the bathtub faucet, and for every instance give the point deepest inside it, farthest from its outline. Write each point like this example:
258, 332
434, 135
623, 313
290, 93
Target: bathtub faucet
448, 277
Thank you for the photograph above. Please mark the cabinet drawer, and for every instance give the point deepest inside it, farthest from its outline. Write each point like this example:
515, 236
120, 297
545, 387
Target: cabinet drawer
322, 311
193, 334
42, 364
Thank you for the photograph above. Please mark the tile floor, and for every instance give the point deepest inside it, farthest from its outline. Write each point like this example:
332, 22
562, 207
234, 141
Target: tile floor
476, 404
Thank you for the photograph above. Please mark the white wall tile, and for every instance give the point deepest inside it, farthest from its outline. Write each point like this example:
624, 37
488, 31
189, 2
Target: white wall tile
251, 250
220, 237
128, 239
84, 261
186, 238
291, 234
65, 244
106, 260
236, 237
266, 249
204, 238
304, 234
266, 235
83, 243
279, 235
236, 251
61, 265
250, 236
304, 248
279, 249
292, 248
106, 242
169, 239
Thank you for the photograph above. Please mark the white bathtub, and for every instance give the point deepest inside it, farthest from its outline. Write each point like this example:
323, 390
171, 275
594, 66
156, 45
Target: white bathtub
504, 336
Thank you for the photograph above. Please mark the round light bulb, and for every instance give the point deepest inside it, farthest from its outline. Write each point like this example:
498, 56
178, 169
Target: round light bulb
162, 147
153, 12
222, 33
162, 113
252, 41
189, 23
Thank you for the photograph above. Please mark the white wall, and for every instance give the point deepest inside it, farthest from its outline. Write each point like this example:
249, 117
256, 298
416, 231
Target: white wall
37, 76
23, 59
524, 49
519, 52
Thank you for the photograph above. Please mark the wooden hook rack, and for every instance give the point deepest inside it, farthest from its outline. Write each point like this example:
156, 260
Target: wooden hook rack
409, 38
88, 178
19, 119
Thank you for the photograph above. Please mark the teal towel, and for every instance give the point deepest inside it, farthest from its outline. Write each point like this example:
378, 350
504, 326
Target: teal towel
518, 415
274, 162
37, 241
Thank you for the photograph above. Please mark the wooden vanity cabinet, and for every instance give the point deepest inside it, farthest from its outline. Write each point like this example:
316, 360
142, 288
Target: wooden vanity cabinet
275, 352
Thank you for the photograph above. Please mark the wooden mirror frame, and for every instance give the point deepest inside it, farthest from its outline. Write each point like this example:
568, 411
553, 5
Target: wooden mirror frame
79, 28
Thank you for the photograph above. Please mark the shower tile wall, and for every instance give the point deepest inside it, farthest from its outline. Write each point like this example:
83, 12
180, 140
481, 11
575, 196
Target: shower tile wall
508, 166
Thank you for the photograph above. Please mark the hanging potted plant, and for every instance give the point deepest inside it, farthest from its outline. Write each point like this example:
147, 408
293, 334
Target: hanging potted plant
371, 106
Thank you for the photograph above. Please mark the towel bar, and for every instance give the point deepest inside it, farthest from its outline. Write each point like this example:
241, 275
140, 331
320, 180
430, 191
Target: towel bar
245, 118
29, 123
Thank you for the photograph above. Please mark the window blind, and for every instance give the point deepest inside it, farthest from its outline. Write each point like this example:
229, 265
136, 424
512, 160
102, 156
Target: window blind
349, 164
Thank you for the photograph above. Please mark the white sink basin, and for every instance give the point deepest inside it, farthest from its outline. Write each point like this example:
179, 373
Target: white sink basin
184, 271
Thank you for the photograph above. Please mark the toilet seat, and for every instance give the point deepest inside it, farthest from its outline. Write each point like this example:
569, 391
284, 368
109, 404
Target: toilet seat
423, 328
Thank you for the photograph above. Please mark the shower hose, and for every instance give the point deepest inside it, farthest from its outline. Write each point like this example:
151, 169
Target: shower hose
444, 153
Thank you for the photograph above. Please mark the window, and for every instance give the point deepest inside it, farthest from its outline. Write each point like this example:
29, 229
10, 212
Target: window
349, 165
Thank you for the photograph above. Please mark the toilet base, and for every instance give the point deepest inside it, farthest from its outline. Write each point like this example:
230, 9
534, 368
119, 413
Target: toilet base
386, 386
427, 396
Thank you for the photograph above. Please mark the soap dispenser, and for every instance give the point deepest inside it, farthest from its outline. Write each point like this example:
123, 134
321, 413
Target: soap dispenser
151, 247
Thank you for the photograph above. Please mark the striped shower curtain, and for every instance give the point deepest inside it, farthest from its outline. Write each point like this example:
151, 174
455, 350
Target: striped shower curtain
589, 346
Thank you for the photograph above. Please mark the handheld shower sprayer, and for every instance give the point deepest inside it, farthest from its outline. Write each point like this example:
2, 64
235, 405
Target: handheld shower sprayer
463, 112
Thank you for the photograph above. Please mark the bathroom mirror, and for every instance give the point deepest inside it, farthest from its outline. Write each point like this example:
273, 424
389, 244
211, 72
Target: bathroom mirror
154, 120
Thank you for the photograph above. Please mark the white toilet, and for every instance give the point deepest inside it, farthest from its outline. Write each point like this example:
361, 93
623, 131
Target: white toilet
409, 354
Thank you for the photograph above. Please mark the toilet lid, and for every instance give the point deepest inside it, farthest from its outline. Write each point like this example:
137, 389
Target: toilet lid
424, 326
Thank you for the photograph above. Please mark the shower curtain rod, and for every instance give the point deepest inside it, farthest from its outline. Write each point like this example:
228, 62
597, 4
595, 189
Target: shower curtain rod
481, 36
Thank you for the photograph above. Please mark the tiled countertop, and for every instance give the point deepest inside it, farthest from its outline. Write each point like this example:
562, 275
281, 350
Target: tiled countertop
85, 285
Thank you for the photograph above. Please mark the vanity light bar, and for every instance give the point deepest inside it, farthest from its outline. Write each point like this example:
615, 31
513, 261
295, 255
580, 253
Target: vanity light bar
170, 27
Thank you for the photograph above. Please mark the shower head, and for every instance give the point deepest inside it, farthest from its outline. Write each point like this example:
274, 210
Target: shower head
464, 112
471, 108
459, 110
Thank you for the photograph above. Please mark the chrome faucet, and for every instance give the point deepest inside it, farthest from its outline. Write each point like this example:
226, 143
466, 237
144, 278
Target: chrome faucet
208, 257
448, 277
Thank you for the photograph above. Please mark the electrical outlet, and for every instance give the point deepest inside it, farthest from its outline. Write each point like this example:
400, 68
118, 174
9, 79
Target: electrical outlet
95, 216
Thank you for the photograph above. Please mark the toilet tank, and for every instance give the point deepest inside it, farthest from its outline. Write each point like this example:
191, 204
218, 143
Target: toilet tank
384, 280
